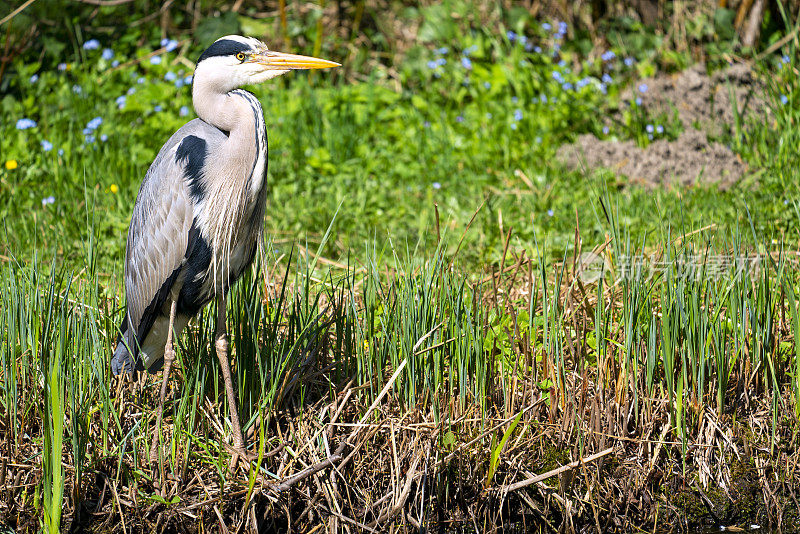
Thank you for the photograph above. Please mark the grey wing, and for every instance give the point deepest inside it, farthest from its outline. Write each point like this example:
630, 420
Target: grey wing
159, 233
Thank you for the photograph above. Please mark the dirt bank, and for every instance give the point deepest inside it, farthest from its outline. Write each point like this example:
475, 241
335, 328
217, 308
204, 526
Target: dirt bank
705, 106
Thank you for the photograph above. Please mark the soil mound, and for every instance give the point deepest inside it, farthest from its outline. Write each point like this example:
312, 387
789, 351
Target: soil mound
705, 108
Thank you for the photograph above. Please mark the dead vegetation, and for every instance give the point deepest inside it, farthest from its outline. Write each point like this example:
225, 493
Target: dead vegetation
569, 445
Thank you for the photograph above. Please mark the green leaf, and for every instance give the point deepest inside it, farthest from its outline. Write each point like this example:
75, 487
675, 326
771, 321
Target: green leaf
495, 457
212, 28
723, 23
255, 27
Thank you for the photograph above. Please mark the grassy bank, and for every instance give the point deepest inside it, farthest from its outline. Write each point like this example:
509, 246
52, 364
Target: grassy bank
432, 395
442, 315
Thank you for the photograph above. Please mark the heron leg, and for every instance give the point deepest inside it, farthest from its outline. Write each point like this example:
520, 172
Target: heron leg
221, 344
169, 358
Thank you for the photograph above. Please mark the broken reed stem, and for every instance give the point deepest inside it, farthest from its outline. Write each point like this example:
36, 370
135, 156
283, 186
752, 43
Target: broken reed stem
554, 472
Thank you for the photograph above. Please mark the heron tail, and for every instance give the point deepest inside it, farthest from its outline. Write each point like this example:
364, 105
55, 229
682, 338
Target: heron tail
123, 361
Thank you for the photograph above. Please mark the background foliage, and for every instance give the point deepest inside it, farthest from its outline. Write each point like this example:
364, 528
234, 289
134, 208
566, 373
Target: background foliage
421, 226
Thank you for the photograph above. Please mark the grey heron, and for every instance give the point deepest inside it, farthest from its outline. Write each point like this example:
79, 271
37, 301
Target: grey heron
199, 213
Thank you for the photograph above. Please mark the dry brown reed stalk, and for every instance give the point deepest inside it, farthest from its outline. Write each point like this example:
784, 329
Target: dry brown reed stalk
344, 461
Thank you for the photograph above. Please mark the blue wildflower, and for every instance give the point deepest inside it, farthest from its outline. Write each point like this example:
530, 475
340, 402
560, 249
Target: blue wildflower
607, 78
515, 99
784, 99
550, 213
179, 83
441, 61
436, 185
513, 125
518, 115
603, 88
785, 58
466, 63
528, 46
606, 129
629, 61
488, 115
108, 54
659, 129
643, 88
169, 44
649, 128
557, 76
91, 44
608, 55
470, 50
441, 51
24, 124
77, 89
94, 123
543, 98
562, 63
460, 118
104, 138
155, 60
650, 137
556, 48
188, 80
62, 67
34, 78
121, 101
537, 140
48, 200
487, 85
140, 80
546, 26
638, 101
158, 109
60, 151
512, 36
130, 91
184, 111
170, 76
432, 64
89, 139
115, 63
47, 146
426, 124
562, 28
567, 86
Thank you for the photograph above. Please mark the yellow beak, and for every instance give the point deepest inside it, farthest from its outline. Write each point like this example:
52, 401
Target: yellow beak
280, 61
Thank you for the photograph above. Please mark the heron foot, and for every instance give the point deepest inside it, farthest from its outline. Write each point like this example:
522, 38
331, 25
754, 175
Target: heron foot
240, 456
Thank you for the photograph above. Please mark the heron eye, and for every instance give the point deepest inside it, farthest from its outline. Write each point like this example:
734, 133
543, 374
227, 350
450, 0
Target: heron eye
240, 56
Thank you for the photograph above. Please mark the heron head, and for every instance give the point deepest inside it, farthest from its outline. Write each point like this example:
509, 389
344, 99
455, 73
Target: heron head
233, 61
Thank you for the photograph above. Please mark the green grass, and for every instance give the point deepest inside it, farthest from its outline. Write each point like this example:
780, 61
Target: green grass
386, 156
358, 172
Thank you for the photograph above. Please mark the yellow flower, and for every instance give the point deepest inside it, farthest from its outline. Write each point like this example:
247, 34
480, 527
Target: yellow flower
366, 346
11, 164
114, 188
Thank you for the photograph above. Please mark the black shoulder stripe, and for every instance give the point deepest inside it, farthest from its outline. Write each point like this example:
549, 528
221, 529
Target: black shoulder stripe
223, 47
198, 259
192, 153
